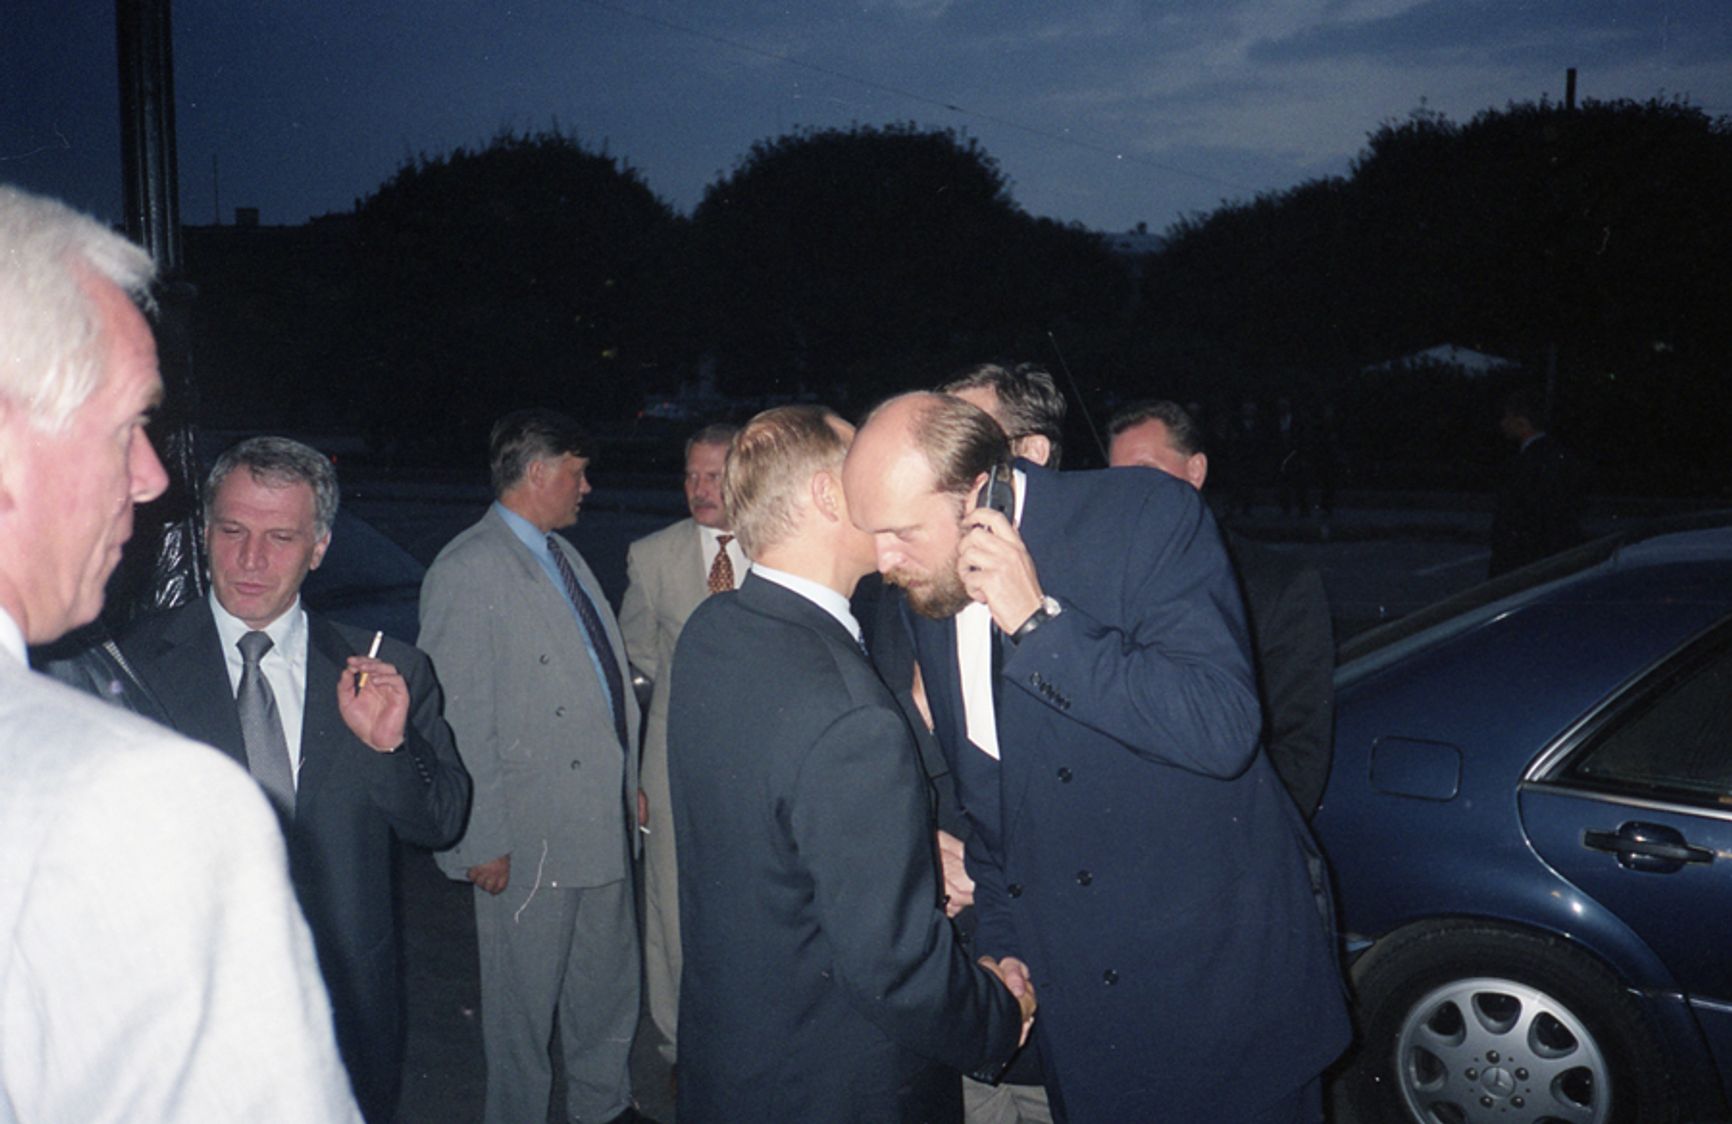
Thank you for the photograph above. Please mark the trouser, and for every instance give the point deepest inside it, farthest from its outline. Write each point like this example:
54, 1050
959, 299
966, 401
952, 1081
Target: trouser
661, 909
1004, 1104
566, 952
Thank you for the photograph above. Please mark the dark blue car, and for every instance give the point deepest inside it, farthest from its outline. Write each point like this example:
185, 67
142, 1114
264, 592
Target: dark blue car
1529, 819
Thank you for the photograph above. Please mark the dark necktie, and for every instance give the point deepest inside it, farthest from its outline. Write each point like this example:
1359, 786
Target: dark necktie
262, 726
722, 569
597, 637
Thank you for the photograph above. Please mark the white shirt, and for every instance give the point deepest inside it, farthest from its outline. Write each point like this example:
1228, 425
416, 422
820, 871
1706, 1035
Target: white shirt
285, 667
974, 642
818, 594
11, 637
710, 543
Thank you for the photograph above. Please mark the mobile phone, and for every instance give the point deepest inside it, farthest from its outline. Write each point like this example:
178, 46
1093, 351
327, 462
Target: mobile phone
997, 493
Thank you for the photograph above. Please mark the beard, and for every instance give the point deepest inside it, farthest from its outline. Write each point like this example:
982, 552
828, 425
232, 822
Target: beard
939, 597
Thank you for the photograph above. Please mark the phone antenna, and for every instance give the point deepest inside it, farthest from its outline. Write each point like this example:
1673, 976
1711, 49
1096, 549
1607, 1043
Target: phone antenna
1076, 392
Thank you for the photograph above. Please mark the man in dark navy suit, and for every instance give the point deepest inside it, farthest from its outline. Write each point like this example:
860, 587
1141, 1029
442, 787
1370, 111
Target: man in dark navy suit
821, 981
1086, 661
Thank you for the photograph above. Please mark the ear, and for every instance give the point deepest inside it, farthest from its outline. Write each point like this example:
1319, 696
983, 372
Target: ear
319, 549
1197, 469
827, 495
1036, 447
974, 489
11, 446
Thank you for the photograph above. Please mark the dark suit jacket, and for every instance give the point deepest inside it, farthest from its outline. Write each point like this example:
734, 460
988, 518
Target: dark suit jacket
1134, 846
821, 982
348, 804
1294, 644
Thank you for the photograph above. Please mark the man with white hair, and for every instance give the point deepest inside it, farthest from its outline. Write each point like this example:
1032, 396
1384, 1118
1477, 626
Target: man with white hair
155, 966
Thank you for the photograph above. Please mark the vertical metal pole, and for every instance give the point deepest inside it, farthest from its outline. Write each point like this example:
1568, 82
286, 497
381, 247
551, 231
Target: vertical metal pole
163, 567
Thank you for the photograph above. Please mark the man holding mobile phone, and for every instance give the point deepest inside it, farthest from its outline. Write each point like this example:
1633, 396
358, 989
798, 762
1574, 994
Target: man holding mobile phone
1129, 841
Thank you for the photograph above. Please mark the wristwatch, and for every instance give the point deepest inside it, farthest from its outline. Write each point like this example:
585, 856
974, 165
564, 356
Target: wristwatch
1049, 608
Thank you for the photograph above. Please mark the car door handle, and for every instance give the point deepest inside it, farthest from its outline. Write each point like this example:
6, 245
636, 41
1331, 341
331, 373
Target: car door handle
1647, 847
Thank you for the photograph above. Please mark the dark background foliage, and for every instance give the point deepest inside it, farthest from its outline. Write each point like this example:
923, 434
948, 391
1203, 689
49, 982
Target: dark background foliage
1589, 246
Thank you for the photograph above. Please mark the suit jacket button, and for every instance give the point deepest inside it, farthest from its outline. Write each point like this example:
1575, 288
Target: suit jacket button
1109, 977
1064, 776
545, 658
559, 712
575, 763
1083, 878
1014, 889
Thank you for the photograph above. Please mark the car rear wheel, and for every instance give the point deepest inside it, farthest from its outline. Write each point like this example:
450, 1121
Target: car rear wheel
1470, 1023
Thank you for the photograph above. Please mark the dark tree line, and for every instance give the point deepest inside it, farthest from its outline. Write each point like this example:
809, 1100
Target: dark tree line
1591, 243
850, 263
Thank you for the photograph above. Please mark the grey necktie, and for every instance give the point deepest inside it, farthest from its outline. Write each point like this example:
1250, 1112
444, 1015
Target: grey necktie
262, 728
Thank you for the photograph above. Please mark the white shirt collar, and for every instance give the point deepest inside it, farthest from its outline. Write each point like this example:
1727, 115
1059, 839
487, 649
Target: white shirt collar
11, 636
286, 632
817, 593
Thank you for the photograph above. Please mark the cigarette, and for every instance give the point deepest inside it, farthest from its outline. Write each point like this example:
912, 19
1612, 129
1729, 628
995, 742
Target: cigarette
372, 654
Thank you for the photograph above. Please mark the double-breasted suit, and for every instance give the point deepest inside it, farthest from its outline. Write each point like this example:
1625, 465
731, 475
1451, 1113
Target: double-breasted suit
1132, 844
556, 791
350, 801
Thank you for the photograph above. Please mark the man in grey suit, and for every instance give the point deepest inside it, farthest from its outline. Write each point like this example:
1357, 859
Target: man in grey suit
535, 683
669, 573
155, 965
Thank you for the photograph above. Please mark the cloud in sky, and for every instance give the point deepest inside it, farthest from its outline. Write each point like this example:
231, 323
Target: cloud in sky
1108, 113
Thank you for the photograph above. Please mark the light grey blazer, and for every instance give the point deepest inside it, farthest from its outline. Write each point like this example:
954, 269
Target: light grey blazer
553, 788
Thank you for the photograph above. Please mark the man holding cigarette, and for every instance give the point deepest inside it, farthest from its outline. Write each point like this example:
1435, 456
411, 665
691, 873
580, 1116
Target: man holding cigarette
250, 671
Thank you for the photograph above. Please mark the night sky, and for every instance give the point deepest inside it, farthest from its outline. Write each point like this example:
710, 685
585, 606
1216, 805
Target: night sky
1105, 113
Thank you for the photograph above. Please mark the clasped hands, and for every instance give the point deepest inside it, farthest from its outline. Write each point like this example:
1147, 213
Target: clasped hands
995, 568
1013, 974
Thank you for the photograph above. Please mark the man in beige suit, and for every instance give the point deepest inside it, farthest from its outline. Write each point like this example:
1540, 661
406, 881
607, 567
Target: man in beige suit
670, 573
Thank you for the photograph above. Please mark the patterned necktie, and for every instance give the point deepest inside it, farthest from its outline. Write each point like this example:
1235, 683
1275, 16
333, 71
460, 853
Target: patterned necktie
722, 569
597, 637
262, 727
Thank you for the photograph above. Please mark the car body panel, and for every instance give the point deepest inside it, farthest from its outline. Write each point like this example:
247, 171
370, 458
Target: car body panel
1448, 798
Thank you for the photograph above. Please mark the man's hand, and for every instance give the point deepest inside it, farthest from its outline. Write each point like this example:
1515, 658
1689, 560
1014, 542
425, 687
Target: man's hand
375, 713
642, 809
1013, 974
492, 876
995, 568
958, 886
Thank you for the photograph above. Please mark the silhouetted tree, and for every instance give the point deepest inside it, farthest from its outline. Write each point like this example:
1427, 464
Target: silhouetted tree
529, 271
1598, 231
872, 259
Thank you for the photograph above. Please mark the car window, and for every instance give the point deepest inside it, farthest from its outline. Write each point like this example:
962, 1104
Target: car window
1674, 741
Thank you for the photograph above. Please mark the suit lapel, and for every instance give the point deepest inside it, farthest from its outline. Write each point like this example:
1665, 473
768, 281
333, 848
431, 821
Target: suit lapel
193, 684
323, 731
688, 582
